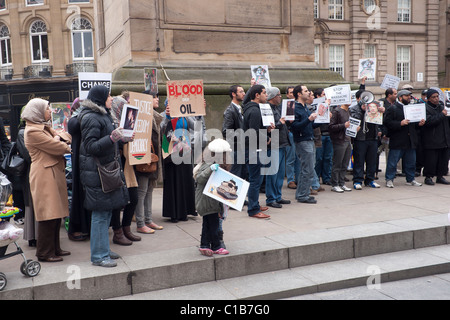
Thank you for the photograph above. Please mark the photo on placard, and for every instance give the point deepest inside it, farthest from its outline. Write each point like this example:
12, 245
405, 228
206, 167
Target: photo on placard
288, 109
151, 80
367, 68
261, 75
372, 113
60, 115
129, 119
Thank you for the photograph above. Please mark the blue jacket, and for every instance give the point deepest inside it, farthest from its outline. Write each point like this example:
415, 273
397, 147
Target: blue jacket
302, 128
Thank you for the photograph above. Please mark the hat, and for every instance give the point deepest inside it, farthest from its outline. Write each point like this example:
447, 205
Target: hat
272, 93
219, 146
404, 93
430, 92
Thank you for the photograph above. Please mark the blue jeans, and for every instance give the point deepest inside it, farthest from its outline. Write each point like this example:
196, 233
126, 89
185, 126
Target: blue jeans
274, 183
255, 179
306, 153
292, 161
324, 159
409, 163
100, 235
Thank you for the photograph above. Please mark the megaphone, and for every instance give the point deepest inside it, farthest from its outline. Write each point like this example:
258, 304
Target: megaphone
366, 97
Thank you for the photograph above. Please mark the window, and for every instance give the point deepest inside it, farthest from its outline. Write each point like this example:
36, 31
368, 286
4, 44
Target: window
2, 4
369, 6
78, 1
404, 11
82, 40
336, 9
5, 46
34, 2
39, 42
317, 53
370, 51
403, 63
316, 9
337, 59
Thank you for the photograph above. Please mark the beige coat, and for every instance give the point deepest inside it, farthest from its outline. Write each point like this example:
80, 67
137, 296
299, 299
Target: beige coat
47, 173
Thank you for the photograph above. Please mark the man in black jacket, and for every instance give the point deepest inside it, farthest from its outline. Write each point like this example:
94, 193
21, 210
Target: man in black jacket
233, 123
435, 136
403, 140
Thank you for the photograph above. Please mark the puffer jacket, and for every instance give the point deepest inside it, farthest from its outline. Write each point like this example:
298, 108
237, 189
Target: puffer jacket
205, 205
96, 127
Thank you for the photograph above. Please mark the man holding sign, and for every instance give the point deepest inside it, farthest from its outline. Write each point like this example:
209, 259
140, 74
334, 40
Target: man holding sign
403, 140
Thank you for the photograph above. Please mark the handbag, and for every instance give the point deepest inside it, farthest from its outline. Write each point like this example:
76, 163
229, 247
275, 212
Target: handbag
149, 167
13, 163
110, 173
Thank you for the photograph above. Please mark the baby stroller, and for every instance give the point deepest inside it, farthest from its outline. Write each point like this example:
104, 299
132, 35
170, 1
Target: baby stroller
10, 234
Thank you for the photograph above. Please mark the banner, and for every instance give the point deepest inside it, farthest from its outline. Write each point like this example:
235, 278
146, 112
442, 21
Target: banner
139, 151
186, 98
87, 80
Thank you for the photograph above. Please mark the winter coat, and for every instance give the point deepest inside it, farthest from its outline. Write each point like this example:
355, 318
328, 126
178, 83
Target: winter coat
205, 205
96, 127
302, 128
400, 137
253, 121
435, 133
47, 173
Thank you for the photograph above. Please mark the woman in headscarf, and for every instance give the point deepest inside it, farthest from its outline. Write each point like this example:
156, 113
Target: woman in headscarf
99, 142
47, 177
178, 188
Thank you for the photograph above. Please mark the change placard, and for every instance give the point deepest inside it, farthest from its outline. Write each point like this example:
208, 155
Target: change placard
87, 80
186, 98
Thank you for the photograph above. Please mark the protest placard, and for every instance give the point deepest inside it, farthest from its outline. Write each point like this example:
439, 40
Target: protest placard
261, 75
447, 102
140, 148
390, 81
227, 188
288, 109
339, 95
415, 112
367, 68
60, 115
186, 98
372, 114
129, 119
151, 80
322, 109
87, 80
353, 129
266, 114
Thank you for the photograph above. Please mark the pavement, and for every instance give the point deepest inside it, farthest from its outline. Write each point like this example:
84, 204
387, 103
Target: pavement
176, 245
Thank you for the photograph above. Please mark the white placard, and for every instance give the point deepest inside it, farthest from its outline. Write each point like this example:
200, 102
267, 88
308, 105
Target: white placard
129, 119
227, 188
415, 112
288, 109
322, 109
266, 114
447, 102
390, 81
367, 68
339, 95
261, 75
353, 129
87, 80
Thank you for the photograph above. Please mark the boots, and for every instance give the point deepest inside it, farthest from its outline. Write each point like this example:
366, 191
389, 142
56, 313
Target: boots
119, 238
129, 235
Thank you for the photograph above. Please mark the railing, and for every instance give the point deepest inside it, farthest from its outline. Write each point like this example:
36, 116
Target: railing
74, 68
6, 73
37, 71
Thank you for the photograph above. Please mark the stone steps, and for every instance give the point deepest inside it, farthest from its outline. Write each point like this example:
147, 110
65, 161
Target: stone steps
272, 267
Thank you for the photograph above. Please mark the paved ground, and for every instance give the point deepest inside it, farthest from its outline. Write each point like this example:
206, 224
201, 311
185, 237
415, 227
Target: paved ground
332, 210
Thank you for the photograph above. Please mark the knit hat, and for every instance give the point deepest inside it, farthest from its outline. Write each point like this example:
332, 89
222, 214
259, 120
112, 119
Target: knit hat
403, 93
272, 92
430, 92
219, 146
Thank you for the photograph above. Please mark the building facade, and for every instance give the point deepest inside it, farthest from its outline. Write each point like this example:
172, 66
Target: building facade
403, 36
43, 46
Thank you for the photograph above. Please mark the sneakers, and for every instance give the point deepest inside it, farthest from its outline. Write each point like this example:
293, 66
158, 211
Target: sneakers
373, 184
337, 189
414, 183
389, 184
357, 186
107, 263
346, 188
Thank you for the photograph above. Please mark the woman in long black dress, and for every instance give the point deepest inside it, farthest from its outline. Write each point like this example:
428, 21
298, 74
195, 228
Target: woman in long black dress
178, 188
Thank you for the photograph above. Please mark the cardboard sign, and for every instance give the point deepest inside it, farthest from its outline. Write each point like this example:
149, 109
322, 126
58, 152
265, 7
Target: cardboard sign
339, 95
87, 80
139, 151
390, 82
186, 98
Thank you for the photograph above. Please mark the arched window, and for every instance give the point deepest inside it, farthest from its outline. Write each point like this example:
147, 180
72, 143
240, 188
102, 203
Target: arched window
5, 46
82, 40
39, 42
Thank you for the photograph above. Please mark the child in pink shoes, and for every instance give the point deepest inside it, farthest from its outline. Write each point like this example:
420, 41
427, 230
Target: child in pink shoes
207, 207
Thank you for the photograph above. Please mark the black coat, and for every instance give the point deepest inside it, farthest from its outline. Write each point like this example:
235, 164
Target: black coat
400, 137
96, 126
435, 133
232, 119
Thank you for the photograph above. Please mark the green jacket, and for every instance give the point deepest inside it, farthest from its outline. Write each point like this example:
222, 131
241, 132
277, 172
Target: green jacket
205, 205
